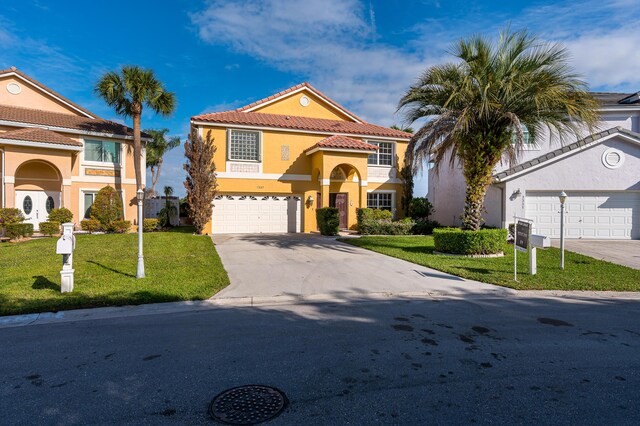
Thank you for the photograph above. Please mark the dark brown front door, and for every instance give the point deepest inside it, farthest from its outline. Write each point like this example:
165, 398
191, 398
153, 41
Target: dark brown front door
340, 200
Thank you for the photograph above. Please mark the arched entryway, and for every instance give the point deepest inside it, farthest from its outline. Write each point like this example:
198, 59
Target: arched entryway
344, 192
38, 190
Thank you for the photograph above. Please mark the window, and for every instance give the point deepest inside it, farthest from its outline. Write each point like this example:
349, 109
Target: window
244, 145
377, 200
384, 155
49, 204
102, 152
89, 197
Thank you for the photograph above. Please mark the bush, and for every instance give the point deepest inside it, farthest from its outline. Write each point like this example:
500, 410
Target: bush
150, 225
425, 227
386, 227
457, 241
328, 220
120, 226
420, 208
372, 214
50, 228
60, 215
17, 230
10, 216
90, 225
107, 207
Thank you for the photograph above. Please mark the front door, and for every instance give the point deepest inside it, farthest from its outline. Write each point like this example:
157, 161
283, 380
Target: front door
36, 205
340, 201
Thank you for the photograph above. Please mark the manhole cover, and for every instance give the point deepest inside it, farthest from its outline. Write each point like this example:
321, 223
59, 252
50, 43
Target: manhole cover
248, 405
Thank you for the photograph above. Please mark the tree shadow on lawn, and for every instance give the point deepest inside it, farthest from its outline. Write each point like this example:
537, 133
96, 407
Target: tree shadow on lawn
111, 269
41, 282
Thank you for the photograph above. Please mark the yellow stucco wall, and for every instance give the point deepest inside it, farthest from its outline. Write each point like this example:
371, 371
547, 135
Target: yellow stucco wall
290, 105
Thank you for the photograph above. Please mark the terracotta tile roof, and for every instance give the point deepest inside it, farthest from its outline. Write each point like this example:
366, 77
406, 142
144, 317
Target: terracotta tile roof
67, 121
34, 134
502, 176
293, 89
43, 87
322, 125
342, 142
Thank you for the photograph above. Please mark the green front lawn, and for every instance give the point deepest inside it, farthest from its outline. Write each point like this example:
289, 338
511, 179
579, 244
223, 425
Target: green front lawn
581, 272
178, 266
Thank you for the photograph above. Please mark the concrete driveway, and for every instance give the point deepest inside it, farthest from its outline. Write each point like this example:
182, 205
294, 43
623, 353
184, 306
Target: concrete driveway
622, 252
303, 265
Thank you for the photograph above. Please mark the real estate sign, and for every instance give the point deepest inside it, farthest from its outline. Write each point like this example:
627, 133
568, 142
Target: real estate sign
523, 231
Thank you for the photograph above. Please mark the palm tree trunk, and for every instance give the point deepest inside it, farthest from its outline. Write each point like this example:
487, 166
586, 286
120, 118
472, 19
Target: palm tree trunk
137, 148
478, 179
154, 180
158, 173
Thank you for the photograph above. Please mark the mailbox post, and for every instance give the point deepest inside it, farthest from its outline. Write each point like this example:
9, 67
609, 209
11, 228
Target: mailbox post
65, 246
536, 241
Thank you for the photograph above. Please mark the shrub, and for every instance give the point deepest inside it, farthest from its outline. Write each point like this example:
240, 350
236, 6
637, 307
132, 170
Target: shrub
60, 215
328, 220
120, 226
386, 227
373, 214
50, 228
10, 216
90, 225
17, 230
420, 208
107, 207
149, 225
424, 227
457, 241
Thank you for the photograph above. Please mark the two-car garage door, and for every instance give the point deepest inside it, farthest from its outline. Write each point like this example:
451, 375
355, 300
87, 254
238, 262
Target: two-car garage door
247, 213
589, 215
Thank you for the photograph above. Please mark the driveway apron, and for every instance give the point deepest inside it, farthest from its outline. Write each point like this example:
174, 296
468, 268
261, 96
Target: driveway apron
269, 265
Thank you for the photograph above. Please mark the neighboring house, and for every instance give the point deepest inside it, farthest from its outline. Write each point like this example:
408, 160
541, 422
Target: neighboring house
600, 174
282, 157
55, 153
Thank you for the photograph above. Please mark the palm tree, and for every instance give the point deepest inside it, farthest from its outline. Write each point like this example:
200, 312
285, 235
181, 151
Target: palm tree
127, 92
156, 150
477, 107
164, 215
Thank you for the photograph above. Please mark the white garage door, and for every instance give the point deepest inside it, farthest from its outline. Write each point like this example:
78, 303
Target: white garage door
595, 215
239, 214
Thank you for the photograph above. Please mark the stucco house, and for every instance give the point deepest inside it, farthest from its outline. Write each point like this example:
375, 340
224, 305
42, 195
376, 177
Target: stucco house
600, 174
284, 156
55, 153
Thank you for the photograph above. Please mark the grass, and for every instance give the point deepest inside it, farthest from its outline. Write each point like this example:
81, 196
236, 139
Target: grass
581, 272
178, 266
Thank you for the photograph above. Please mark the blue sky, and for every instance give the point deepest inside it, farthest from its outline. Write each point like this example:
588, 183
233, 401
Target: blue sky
221, 54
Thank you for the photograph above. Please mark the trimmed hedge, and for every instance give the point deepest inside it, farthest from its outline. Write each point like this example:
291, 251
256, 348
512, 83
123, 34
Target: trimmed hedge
107, 207
120, 226
50, 228
425, 227
60, 215
457, 241
90, 225
150, 225
17, 230
420, 208
328, 220
372, 214
10, 216
386, 227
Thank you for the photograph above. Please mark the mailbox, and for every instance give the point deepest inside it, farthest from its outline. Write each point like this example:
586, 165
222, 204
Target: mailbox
540, 241
64, 245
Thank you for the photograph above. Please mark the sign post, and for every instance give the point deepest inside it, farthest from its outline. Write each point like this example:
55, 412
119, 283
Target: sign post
521, 243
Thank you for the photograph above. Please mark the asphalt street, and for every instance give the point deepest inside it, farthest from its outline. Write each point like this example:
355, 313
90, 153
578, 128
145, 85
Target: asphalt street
445, 360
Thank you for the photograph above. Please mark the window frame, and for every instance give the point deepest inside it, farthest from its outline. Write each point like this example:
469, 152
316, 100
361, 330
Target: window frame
84, 204
258, 150
377, 154
102, 163
377, 195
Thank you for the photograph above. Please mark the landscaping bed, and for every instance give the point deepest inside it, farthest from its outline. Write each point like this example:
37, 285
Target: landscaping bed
581, 272
178, 266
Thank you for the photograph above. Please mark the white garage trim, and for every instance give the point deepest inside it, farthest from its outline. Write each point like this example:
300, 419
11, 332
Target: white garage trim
612, 215
257, 213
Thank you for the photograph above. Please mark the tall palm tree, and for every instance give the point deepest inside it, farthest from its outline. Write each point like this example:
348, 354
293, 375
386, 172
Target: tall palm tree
477, 107
128, 92
156, 150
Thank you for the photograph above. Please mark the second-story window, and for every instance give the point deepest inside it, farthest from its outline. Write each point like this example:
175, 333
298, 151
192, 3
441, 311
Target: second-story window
525, 131
102, 151
384, 155
244, 145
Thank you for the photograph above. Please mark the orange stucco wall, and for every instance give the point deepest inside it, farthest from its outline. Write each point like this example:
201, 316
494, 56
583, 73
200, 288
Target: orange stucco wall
30, 97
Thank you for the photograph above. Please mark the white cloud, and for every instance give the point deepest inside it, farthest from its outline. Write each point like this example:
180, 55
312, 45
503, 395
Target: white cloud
328, 41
